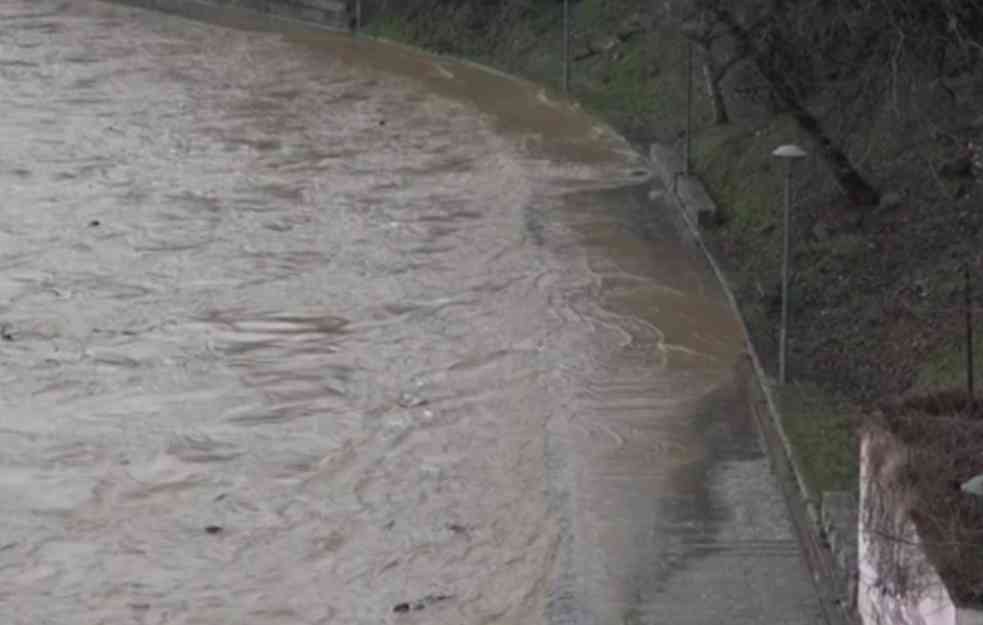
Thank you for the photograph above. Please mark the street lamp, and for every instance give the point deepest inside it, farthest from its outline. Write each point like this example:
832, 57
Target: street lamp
789, 153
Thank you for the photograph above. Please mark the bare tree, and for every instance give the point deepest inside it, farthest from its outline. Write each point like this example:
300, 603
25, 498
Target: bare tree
760, 38
716, 60
700, 34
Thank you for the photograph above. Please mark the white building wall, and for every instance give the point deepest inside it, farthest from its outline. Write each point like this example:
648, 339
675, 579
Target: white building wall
932, 605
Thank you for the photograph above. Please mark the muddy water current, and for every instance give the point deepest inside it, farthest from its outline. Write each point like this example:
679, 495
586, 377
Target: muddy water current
303, 329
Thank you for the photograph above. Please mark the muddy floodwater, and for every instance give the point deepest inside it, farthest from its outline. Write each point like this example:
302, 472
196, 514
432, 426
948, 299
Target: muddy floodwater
297, 328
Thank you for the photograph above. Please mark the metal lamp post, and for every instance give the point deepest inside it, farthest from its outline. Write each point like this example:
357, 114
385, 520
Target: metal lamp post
788, 153
689, 105
692, 30
566, 46
969, 337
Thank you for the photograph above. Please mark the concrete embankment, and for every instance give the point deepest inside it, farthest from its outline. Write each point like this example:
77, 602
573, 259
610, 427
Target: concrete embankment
828, 546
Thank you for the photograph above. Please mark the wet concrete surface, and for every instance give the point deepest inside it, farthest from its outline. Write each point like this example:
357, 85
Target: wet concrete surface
299, 328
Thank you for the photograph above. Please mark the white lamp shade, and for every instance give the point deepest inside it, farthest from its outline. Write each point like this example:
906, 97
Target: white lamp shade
788, 151
974, 486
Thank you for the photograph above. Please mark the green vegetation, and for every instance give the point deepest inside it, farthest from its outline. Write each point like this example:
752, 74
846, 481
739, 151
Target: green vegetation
822, 432
946, 366
388, 26
737, 165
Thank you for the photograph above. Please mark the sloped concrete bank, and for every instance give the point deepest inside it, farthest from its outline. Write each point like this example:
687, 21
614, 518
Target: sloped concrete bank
826, 525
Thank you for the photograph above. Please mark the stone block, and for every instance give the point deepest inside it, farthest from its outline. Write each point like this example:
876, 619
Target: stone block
700, 208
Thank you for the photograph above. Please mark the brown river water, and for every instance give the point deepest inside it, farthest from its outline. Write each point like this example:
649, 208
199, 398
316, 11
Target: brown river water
304, 329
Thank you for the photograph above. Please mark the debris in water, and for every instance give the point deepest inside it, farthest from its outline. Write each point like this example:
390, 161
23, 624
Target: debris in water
94, 223
213, 529
420, 604
409, 400
5, 333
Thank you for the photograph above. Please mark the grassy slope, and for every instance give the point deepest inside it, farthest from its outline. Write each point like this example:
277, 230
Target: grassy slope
874, 296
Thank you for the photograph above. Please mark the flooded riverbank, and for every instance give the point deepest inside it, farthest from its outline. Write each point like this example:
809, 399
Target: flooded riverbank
305, 329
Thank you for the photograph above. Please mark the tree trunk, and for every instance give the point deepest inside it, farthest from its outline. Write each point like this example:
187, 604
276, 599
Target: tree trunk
854, 185
720, 115
857, 189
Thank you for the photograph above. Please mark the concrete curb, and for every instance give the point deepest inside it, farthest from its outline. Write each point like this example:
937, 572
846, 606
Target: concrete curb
698, 209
